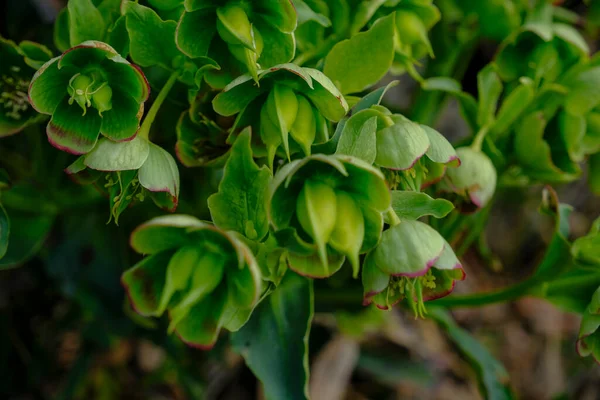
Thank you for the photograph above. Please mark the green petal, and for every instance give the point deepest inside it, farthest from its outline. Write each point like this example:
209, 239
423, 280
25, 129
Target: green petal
121, 156
440, 149
373, 279
204, 320
312, 267
145, 283
49, 86
122, 121
70, 131
127, 78
279, 47
164, 233
195, 32
401, 145
326, 97
160, 173
87, 53
366, 183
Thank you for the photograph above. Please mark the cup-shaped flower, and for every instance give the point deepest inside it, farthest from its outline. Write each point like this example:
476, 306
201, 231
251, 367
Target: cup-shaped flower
324, 208
291, 102
589, 332
16, 70
474, 179
412, 262
204, 277
258, 34
89, 90
131, 168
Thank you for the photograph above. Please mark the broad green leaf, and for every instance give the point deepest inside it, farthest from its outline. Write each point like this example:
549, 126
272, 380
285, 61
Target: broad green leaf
363, 14
152, 40
85, 22
195, 32
281, 321
489, 88
326, 96
4, 231
27, 235
493, 378
359, 62
305, 14
513, 106
583, 93
359, 140
414, 205
241, 202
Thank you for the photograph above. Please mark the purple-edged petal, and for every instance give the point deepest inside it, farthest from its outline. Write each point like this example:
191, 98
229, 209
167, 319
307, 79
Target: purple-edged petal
446, 271
49, 86
408, 249
163, 233
90, 52
401, 145
160, 173
122, 121
312, 267
70, 131
126, 79
374, 280
440, 149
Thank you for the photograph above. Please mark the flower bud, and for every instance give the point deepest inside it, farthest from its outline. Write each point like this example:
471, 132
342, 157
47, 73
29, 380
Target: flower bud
349, 232
316, 210
234, 27
282, 108
304, 128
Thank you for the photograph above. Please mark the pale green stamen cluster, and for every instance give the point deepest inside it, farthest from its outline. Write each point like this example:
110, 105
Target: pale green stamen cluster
409, 179
411, 289
88, 92
13, 95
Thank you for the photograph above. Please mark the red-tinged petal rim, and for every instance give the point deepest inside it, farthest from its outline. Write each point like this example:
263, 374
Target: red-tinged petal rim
446, 293
422, 272
202, 347
145, 82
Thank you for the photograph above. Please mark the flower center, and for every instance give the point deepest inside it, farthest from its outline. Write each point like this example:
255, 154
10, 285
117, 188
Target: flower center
13, 94
90, 91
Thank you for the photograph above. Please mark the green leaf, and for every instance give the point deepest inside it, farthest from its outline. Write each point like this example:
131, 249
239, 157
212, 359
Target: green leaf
241, 203
85, 22
236, 96
281, 321
305, 14
152, 40
4, 231
359, 140
359, 62
493, 378
27, 235
513, 106
61, 35
195, 32
489, 88
414, 205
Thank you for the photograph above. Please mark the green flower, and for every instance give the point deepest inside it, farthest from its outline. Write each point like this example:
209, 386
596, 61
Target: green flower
324, 208
205, 278
589, 335
18, 66
89, 90
258, 34
291, 102
474, 179
412, 262
130, 169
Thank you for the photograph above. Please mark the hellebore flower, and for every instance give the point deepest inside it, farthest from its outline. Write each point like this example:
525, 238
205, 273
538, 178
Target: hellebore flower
130, 168
412, 156
589, 334
290, 101
18, 66
205, 278
258, 34
326, 207
89, 90
474, 179
412, 262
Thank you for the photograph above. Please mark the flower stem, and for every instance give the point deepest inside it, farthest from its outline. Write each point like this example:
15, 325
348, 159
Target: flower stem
478, 141
145, 128
393, 219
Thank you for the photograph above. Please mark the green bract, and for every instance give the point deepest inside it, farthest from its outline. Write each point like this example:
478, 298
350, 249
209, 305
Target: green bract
291, 101
474, 179
326, 207
18, 65
89, 90
258, 34
130, 167
206, 278
589, 334
412, 262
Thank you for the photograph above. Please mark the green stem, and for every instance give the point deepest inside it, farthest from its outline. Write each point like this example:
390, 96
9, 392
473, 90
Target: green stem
145, 128
393, 219
478, 141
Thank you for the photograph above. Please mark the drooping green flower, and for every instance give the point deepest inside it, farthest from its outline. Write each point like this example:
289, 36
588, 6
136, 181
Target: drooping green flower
18, 66
412, 262
291, 102
324, 208
205, 278
89, 90
258, 34
130, 169
474, 179
589, 334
